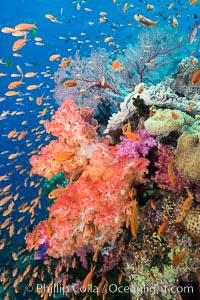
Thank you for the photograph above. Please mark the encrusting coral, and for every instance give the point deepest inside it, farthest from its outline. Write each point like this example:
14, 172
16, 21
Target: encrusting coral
165, 121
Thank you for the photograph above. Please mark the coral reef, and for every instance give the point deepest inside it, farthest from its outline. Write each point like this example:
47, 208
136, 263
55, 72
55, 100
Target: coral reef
118, 197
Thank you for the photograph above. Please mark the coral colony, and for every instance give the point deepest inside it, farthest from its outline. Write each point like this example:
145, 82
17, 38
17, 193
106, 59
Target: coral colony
123, 201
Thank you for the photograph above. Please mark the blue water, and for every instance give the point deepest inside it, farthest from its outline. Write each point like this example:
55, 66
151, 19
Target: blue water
71, 23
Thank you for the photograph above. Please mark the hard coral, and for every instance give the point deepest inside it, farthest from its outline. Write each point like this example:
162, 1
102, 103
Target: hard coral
188, 152
165, 121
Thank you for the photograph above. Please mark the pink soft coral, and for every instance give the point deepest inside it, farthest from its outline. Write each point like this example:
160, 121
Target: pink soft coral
93, 212
68, 125
96, 206
75, 134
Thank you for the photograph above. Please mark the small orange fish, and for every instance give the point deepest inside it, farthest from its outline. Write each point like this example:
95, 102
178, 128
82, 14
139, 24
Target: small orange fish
39, 99
34, 86
12, 133
57, 192
70, 83
116, 66
145, 21
25, 26
49, 229
170, 172
163, 227
54, 57
132, 136
102, 81
88, 278
12, 93
19, 44
134, 219
178, 258
125, 7
174, 22
30, 74
196, 77
192, 2
22, 135
63, 156
149, 7
15, 84
8, 30
186, 206
65, 62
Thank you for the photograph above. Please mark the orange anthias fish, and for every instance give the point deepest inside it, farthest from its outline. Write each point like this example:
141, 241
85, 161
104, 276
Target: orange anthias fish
116, 66
57, 192
178, 258
88, 278
186, 206
134, 219
170, 172
145, 21
63, 156
19, 44
192, 2
132, 136
163, 227
70, 83
196, 77
65, 62
15, 84
54, 57
25, 26
22, 135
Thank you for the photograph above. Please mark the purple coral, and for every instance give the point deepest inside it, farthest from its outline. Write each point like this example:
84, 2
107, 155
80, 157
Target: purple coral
131, 148
165, 156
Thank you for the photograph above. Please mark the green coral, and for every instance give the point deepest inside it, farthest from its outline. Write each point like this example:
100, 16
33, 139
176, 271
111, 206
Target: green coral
56, 181
165, 121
